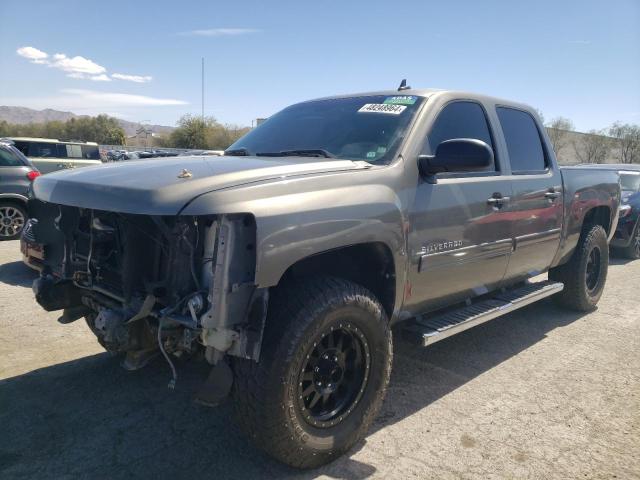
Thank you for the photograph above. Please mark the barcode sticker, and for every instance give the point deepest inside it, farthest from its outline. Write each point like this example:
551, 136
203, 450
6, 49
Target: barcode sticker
382, 108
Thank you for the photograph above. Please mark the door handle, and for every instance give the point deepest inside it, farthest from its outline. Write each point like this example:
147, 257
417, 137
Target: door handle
496, 201
552, 195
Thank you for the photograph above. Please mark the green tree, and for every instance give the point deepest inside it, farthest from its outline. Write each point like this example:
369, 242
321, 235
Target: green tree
101, 129
593, 148
558, 130
627, 137
207, 133
190, 132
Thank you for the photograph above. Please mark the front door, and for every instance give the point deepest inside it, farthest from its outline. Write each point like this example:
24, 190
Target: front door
459, 241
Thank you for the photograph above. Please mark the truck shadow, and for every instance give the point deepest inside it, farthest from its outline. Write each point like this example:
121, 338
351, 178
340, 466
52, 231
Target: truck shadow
17, 274
90, 418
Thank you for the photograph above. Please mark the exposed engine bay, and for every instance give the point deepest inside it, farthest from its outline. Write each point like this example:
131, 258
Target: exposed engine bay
175, 284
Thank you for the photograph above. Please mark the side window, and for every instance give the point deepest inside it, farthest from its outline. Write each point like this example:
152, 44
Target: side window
44, 150
523, 141
73, 151
460, 120
90, 152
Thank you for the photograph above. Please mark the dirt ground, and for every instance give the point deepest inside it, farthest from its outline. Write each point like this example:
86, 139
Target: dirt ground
540, 393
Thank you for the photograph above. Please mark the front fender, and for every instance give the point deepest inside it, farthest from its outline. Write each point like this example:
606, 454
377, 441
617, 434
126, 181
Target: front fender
302, 217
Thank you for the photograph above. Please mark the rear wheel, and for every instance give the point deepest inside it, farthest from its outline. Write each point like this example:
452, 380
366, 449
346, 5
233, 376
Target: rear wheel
12, 220
322, 375
585, 274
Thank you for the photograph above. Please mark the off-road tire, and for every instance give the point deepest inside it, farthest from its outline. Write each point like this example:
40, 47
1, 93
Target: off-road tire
576, 294
266, 392
632, 251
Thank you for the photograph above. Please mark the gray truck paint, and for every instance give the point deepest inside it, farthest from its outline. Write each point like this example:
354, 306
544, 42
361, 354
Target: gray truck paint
306, 206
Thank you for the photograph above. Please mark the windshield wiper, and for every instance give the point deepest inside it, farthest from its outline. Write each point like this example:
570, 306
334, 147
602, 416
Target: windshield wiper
312, 152
237, 152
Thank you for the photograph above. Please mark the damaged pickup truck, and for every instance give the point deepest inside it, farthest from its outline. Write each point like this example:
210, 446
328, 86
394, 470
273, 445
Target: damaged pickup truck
285, 262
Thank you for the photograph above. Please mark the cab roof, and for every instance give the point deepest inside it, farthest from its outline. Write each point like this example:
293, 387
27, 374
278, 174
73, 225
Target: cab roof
431, 92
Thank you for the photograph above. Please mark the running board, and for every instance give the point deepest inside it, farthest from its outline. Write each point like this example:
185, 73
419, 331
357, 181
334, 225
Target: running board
425, 330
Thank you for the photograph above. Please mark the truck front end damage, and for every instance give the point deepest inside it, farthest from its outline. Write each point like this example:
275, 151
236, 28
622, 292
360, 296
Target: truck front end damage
147, 284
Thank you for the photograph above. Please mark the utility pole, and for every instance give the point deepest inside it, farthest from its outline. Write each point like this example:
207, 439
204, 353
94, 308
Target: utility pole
202, 89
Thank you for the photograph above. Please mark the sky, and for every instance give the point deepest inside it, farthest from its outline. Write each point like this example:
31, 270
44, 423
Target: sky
141, 60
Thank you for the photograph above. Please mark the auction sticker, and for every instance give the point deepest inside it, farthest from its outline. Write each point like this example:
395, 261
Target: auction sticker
401, 100
382, 108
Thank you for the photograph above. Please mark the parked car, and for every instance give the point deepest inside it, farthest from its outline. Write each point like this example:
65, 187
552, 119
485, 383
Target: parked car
49, 154
285, 262
626, 240
16, 175
199, 153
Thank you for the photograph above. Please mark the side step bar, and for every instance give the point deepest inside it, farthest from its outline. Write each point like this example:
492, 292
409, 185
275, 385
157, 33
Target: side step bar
425, 330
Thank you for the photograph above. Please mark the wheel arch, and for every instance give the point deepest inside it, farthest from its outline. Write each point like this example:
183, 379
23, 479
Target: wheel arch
370, 265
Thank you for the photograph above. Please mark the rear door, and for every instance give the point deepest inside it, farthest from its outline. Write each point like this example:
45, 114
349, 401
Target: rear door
458, 239
13, 174
537, 203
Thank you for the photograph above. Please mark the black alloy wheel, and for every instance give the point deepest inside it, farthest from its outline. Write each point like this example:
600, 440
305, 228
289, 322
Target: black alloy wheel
585, 274
334, 375
592, 276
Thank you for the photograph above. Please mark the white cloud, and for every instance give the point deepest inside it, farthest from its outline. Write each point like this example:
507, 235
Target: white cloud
100, 78
107, 99
219, 32
96, 78
132, 78
76, 64
77, 67
33, 54
91, 101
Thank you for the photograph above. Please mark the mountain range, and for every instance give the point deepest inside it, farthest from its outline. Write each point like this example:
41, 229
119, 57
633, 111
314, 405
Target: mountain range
23, 115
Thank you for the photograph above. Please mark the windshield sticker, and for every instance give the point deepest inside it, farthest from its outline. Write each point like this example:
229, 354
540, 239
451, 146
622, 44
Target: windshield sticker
401, 100
371, 154
382, 108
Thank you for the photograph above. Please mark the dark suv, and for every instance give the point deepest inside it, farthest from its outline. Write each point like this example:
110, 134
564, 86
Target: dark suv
626, 240
16, 175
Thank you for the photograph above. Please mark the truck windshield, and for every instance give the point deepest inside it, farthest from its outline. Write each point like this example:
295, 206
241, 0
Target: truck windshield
630, 181
368, 128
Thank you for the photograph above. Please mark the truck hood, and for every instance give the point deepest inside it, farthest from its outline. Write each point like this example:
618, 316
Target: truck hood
164, 186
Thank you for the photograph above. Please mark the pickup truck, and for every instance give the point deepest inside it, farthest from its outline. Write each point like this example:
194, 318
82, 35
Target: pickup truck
285, 262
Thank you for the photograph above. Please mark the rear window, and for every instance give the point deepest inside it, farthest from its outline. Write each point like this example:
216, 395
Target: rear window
9, 158
526, 153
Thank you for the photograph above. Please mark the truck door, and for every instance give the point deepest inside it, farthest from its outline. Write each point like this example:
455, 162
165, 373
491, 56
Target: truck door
537, 201
459, 241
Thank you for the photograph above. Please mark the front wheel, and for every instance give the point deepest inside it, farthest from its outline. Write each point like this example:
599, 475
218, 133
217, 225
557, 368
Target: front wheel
322, 375
585, 274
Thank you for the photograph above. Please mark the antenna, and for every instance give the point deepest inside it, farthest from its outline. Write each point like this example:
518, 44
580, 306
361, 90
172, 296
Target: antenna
203, 89
403, 85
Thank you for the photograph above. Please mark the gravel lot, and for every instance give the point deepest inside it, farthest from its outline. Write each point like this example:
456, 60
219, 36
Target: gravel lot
540, 393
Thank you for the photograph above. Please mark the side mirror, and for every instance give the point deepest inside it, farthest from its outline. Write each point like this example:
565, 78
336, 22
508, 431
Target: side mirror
457, 155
